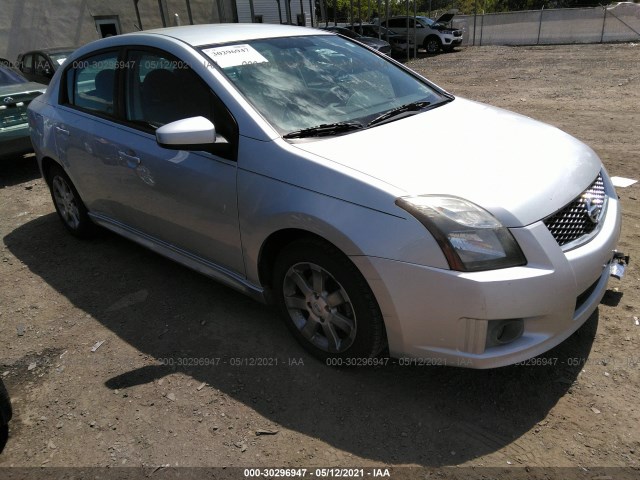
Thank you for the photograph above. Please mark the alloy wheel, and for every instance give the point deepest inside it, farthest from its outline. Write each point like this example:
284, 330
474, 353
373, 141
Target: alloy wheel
66, 202
319, 307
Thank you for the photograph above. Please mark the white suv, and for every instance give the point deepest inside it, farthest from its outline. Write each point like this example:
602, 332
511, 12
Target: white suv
433, 35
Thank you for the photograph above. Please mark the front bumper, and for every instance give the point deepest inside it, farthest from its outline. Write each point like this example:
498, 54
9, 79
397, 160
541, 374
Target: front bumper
442, 316
451, 40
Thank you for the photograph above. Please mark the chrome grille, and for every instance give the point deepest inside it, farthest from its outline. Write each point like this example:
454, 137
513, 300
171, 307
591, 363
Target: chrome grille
580, 217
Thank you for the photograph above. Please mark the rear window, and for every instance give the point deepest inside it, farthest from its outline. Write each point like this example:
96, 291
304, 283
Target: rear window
9, 77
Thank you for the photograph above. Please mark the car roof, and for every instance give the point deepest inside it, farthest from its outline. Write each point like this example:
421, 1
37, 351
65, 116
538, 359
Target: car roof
395, 17
199, 35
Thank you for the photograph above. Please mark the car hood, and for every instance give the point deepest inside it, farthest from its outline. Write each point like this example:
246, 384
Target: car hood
519, 169
445, 18
22, 88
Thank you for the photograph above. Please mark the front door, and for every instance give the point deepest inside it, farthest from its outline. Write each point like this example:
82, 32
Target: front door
182, 200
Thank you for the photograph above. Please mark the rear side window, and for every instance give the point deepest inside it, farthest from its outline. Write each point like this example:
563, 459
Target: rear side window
399, 23
90, 83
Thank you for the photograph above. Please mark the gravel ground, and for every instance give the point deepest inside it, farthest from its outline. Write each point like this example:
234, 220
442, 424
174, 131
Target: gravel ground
86, 328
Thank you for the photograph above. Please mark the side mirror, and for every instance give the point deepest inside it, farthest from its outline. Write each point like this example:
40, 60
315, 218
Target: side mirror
197, 134
187, 134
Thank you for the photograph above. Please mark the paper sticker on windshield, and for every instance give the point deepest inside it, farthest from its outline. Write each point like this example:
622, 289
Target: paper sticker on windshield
235, 55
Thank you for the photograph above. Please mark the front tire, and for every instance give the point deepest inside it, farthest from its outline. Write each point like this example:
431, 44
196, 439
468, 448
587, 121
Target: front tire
432, 44
69, 205
326, 302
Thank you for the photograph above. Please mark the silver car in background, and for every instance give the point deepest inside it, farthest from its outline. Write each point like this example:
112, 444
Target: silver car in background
288, 163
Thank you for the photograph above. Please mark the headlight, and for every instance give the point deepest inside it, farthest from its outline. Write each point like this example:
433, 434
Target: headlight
470, 237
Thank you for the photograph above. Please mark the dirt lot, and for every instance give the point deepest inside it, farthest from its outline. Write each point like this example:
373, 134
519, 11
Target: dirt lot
120, 406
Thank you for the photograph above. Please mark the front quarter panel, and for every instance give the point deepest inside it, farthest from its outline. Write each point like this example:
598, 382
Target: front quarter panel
280, 187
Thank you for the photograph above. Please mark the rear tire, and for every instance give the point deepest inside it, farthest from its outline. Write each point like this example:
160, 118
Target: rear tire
69, 205
5, 405
326, 302
5, 415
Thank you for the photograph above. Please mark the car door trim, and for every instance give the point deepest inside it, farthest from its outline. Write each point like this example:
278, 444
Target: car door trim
188, 259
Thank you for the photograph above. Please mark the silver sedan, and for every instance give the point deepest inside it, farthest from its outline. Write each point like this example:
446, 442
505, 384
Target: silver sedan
378, 212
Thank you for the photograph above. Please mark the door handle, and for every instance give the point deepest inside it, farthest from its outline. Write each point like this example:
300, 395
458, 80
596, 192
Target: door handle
63, 131
129, 158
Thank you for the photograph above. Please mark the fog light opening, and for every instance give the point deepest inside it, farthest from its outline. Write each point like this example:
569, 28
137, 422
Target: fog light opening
502, 332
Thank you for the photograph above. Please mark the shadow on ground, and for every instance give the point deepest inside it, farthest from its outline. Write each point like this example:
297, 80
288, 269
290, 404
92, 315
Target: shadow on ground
17, 169
392, 414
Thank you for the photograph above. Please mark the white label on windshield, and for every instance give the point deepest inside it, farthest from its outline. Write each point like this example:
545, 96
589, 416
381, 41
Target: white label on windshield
60, 61
235, 55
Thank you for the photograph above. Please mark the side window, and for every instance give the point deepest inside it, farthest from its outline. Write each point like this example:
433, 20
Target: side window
27, 64
90, 83
42, 66
161, 89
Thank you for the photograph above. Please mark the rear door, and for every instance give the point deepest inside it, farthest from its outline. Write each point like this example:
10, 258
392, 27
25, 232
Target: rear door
86, 129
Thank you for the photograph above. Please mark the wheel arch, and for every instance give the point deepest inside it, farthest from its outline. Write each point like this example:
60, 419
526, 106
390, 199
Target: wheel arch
270, 269
274, 244
431, 36
45, 168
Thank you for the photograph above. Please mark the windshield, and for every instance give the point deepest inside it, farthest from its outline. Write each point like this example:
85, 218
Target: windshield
59, 58
427, 22
9, 77
297, 83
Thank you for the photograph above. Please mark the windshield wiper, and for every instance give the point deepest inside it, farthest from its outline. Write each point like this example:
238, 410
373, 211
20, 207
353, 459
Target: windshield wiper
409, 107
325, 129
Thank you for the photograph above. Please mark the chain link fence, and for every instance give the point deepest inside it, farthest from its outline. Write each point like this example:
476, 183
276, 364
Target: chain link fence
619, 23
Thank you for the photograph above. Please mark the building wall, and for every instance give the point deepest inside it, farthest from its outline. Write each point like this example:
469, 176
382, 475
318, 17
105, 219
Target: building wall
269, 10
32, 24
